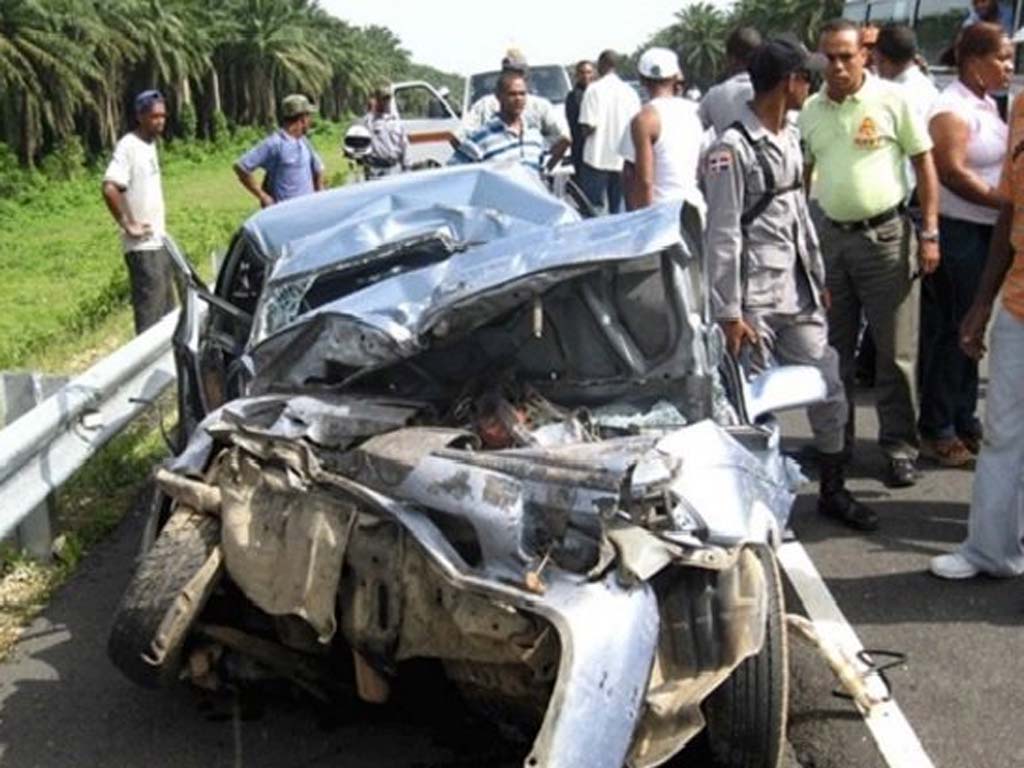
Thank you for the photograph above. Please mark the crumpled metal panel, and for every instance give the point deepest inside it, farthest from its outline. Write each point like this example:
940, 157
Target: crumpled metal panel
602, 677
283, 543
410, 304
602, 680
308, 232
739, 497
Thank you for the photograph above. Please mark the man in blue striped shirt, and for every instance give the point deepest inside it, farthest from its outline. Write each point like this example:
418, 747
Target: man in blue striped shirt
506, 136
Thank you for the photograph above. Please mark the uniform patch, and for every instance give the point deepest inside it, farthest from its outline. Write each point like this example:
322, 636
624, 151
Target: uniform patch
867, 135
719, 161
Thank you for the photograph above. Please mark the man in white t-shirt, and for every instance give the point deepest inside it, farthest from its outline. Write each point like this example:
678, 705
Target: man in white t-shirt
135, 197
895, 59
607, 109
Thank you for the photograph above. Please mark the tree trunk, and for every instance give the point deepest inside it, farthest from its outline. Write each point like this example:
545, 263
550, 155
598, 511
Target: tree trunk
215, 89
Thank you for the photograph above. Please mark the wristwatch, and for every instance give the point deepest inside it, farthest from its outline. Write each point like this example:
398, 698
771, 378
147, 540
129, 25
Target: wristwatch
929, 235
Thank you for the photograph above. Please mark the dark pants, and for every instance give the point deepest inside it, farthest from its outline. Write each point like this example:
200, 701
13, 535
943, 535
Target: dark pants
873, 270
602, 188
949, 379
153, 282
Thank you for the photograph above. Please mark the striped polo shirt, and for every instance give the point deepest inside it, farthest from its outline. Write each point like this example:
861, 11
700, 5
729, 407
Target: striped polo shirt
497, 141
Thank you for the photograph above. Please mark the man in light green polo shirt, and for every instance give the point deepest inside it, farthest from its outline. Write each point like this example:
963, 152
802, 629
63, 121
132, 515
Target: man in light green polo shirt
858, 132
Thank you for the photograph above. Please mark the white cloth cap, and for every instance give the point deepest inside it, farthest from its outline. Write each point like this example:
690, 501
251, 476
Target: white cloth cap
659, 64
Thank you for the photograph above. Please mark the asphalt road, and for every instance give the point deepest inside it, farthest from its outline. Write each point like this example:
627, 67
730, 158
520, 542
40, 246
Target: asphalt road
62, 703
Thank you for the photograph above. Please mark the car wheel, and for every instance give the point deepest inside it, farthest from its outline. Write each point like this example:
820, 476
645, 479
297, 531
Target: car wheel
746, 714
171, 584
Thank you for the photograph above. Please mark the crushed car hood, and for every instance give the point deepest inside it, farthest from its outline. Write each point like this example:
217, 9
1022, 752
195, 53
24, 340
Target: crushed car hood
484, 261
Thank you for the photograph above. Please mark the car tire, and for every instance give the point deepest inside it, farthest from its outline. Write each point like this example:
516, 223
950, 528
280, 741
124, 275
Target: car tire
746, 714
170, 587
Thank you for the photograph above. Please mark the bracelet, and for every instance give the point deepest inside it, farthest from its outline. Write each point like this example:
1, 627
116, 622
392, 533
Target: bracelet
929, 235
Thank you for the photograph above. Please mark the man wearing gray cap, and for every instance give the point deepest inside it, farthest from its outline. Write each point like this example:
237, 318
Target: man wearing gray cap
539, 113
765, 269
290, 164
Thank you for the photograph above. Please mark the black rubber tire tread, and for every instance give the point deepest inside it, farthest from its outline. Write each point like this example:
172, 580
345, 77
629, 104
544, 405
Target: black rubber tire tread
180, 550
746, 714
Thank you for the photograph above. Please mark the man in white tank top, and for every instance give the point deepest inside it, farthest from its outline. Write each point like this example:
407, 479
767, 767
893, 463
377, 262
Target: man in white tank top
662, 146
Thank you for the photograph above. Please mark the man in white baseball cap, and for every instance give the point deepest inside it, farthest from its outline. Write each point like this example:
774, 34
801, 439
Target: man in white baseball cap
662, 145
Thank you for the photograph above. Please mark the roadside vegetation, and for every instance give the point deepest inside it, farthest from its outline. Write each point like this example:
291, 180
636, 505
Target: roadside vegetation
69, 68
63, 276
68, 72
700, 28
64, 304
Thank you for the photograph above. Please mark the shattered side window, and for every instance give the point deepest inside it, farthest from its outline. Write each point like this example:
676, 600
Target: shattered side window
284, 304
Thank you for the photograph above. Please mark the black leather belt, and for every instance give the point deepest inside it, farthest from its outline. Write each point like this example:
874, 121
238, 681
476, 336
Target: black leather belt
874, 221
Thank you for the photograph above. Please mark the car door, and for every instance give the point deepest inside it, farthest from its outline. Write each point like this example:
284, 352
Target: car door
212, 330
429, 121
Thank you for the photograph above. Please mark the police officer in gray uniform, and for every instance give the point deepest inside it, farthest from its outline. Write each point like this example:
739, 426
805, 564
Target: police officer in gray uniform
765, 267
389, 143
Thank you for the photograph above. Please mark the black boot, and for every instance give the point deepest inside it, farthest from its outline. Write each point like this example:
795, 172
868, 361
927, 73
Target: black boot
835, 501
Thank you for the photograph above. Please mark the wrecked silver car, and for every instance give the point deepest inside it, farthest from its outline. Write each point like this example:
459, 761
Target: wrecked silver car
443, 417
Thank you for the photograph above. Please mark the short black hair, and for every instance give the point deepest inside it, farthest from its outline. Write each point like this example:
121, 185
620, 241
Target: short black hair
505, 77
741, 44
838, 25
608, 59
898, 43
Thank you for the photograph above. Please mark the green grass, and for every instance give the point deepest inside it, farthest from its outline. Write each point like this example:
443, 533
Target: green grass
62, 275
64, 303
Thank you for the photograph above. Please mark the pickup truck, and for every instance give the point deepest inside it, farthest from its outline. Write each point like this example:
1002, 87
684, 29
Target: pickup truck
429, 121
548, 80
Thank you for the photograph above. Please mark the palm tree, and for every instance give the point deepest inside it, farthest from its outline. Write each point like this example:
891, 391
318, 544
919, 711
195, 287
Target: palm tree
698, 37
271, 46
43, 74
801, 17
106, 28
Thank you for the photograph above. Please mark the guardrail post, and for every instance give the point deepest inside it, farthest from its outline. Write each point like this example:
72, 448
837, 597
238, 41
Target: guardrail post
19, 393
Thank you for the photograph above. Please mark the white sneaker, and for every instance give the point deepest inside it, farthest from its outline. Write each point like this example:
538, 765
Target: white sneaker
953, 566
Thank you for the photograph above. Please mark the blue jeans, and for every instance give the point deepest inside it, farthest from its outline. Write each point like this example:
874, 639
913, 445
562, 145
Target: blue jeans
602, 188
949, 379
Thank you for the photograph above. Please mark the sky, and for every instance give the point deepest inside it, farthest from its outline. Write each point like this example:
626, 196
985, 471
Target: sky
465, 37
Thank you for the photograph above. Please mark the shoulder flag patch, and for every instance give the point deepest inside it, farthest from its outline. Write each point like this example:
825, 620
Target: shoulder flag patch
719, 161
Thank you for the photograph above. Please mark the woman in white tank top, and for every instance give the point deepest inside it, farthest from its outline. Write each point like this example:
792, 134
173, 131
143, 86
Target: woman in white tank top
970, 144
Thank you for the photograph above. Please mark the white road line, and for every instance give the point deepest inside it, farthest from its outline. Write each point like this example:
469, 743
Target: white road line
892, 732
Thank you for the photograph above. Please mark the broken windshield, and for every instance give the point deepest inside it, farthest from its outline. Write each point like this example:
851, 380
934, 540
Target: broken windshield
289, 300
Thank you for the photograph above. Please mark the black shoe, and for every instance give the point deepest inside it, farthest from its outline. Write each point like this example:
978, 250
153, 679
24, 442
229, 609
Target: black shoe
840, 505
902, 473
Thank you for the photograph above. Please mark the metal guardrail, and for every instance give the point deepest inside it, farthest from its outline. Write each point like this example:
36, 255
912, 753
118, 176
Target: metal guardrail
44, 447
